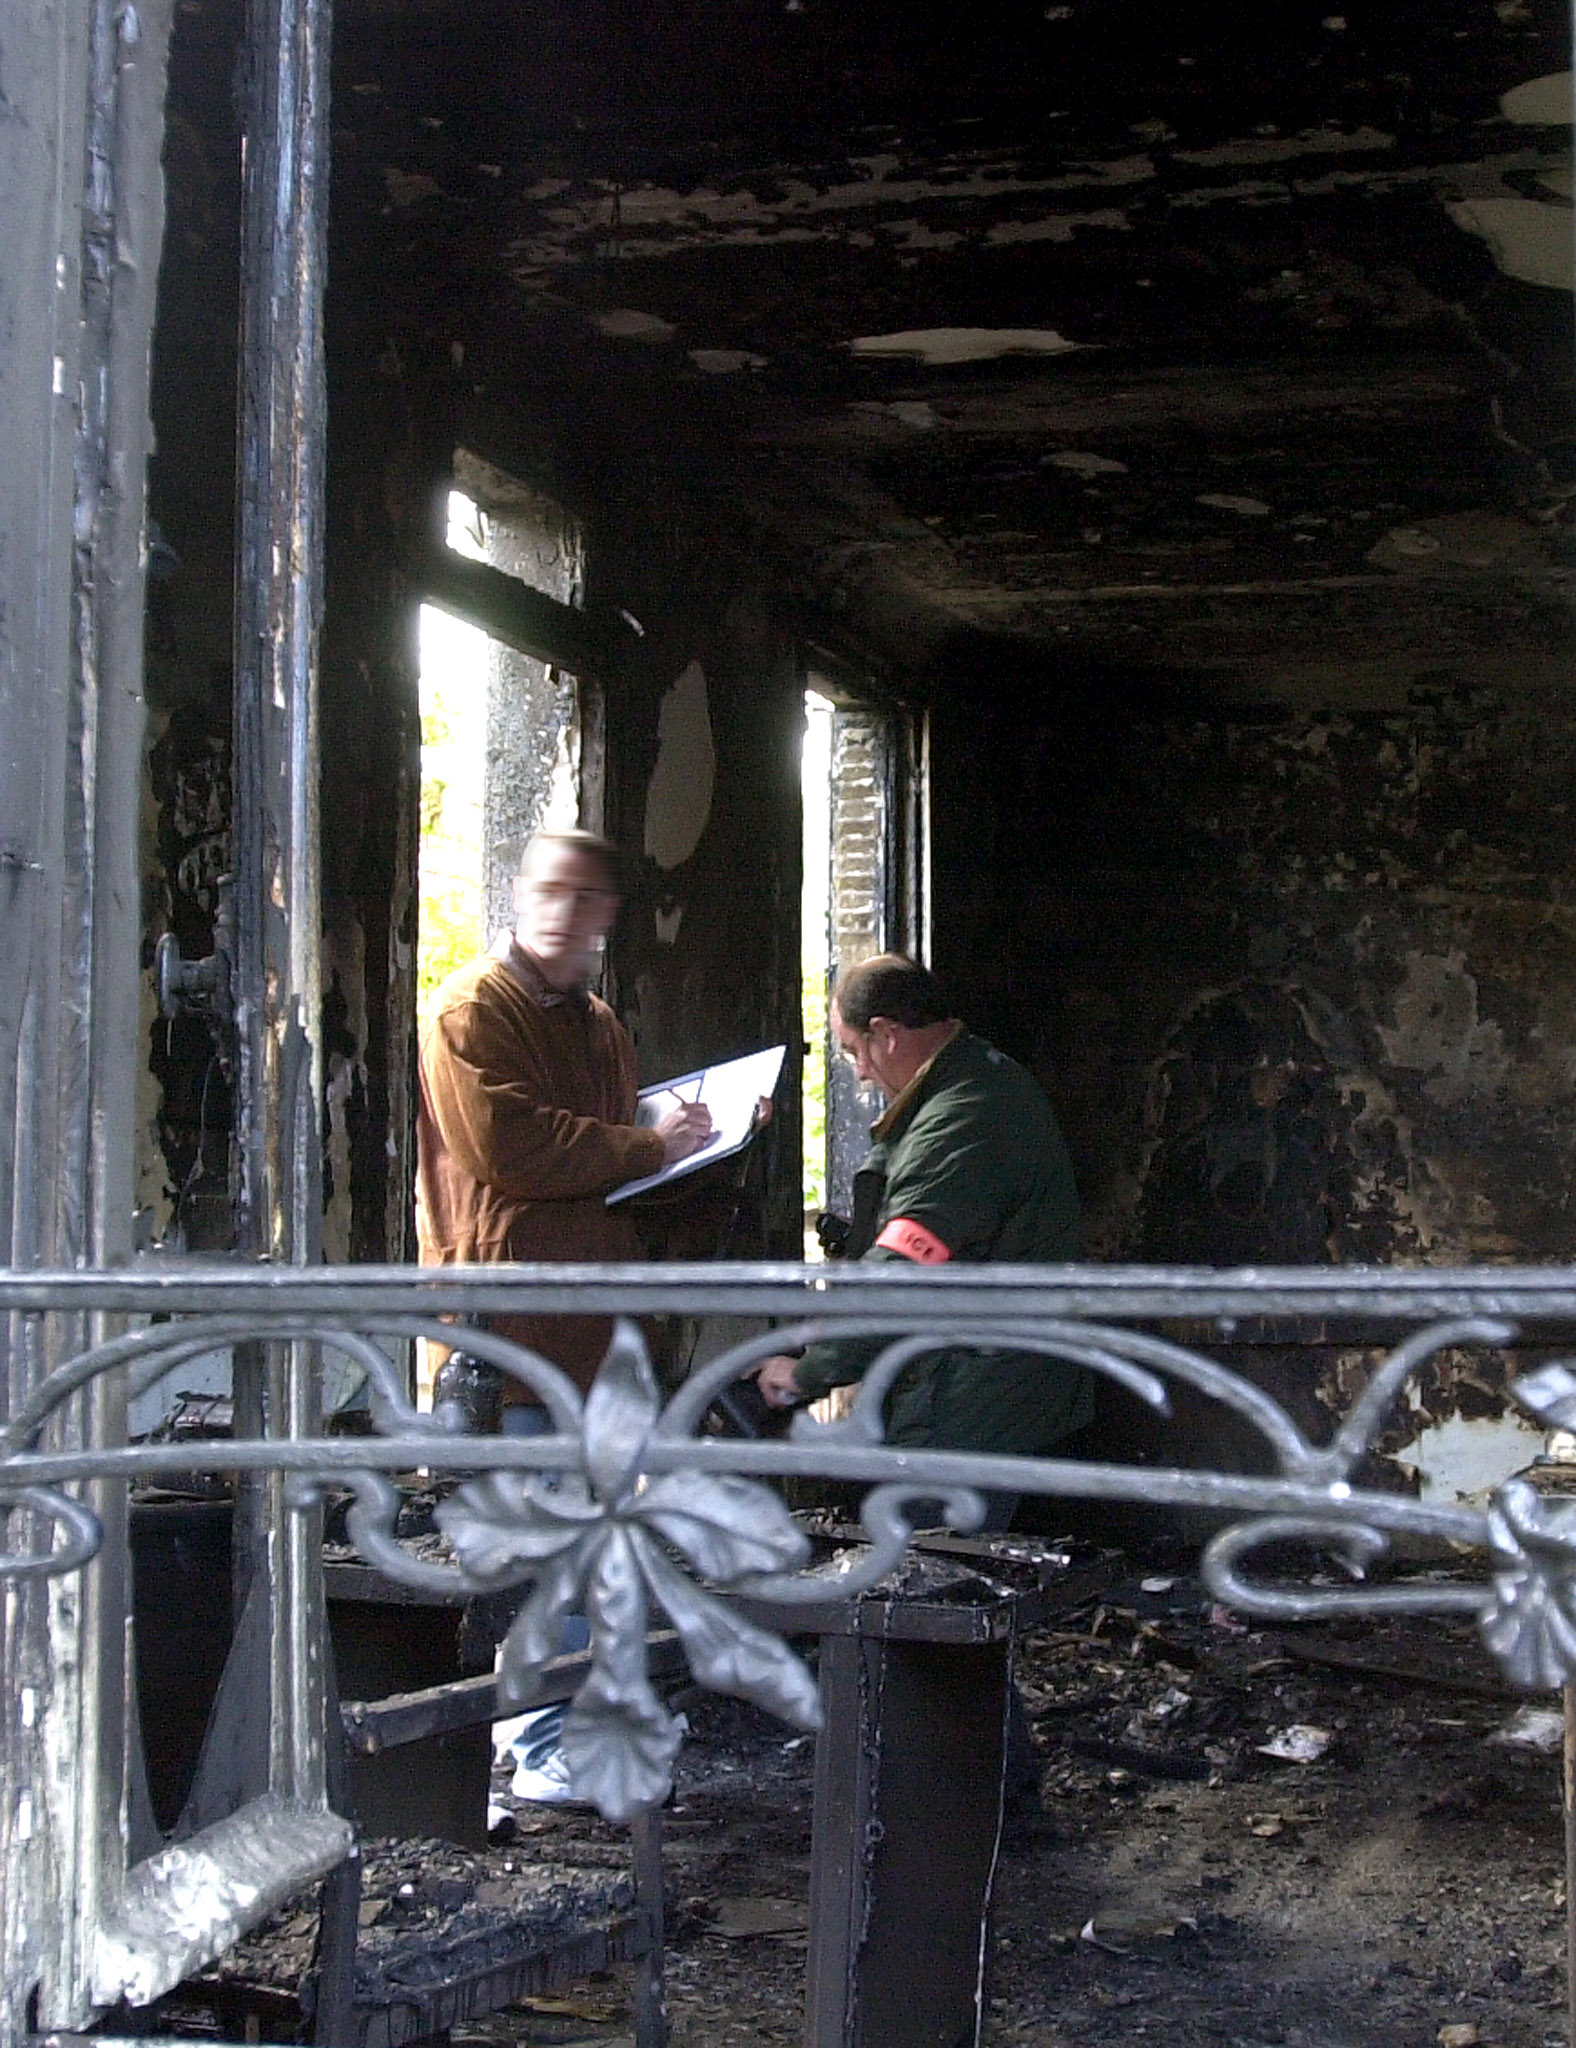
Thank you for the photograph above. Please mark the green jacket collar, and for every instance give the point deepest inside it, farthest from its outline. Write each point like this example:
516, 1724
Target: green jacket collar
902, 1106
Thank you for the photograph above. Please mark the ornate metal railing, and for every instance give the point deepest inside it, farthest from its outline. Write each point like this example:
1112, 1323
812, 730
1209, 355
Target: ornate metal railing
627, 1505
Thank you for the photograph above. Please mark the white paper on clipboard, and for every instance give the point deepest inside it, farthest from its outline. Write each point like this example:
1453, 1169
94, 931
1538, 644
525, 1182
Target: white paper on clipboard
730, 1091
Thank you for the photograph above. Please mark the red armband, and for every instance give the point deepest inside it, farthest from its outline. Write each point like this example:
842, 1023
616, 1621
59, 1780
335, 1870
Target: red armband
911, 1240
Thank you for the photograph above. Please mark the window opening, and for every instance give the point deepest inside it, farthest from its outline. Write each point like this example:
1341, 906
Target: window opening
502, 733
815, 908
863, 786
455, 662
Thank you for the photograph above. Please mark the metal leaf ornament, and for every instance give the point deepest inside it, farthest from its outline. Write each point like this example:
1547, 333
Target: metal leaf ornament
606, 1541
1531, 1623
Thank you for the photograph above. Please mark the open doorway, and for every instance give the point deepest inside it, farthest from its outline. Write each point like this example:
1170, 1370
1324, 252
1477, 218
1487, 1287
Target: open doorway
455, 662
864, 782
503, 733
504, 748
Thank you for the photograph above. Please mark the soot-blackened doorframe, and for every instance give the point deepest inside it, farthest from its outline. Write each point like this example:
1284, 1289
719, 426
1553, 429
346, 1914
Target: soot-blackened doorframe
89, 1921
79, 163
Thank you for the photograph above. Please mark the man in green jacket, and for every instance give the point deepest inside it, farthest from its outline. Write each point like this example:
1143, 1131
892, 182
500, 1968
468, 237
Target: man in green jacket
967, 1164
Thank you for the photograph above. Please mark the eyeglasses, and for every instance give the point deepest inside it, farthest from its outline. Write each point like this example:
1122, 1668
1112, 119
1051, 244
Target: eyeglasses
851, 1055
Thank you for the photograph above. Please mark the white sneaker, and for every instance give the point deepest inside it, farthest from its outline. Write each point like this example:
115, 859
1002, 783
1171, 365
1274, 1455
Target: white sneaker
546, 1784
504, 1735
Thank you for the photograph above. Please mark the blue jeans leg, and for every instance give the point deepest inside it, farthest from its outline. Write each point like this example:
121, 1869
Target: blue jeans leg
542, 1728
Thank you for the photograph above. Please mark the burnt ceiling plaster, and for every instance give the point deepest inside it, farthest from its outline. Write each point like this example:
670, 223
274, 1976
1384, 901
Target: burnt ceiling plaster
1286, 409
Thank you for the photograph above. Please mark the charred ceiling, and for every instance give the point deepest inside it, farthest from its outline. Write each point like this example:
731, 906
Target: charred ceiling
1222, 344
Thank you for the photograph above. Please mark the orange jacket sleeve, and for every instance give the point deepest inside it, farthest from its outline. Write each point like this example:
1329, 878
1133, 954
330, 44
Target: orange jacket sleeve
490, 1091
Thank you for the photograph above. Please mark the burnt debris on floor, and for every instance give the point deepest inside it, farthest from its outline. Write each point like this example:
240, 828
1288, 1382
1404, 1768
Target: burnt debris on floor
1320, 1836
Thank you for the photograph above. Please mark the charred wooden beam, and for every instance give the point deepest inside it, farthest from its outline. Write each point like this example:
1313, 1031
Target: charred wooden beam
586, 643
372, 1726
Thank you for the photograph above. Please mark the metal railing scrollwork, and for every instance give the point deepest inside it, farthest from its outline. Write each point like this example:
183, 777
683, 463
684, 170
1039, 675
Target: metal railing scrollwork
629, 1507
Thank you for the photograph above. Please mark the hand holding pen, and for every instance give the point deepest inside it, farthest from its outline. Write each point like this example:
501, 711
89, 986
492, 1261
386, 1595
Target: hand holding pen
685, 1127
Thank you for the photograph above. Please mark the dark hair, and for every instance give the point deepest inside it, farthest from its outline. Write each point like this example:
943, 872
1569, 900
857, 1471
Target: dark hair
892, 986
587, 843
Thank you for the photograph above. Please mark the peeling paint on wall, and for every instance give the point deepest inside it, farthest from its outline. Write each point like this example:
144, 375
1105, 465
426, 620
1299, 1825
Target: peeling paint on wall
678, 797
1438, 1031
1463, 1459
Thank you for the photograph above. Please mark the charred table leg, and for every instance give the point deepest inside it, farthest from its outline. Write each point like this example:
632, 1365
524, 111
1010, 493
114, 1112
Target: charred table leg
651, 2001
333, 1975
908, 1806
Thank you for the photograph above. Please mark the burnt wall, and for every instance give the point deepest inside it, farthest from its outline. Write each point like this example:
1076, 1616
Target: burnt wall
1302, 983
385, 466
703, 793
690, 755
184, 1102
380, 470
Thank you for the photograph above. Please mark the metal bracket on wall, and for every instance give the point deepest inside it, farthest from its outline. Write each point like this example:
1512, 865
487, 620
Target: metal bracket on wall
201, 988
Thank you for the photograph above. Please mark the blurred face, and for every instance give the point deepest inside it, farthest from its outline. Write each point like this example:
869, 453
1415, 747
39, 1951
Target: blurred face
563, 908
874, 1055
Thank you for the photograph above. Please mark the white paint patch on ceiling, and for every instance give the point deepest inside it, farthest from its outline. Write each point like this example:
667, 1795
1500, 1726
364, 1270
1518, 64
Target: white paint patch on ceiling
1249, 189
962, 199
913, 412
1054, 227
1541, 102
1223, 501
914, 234
722, 362
1379, 183
1282, 149
1081, 463
678, 797
623, 323
1530, 241
1488, 177
1461, 1460
1460, 540
652, 206
660, 220
941, 345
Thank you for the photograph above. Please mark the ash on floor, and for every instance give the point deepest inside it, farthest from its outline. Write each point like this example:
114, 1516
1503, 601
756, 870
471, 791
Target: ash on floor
1183, 1878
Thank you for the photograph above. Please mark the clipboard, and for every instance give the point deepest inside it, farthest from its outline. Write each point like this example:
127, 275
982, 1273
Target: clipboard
729, 1090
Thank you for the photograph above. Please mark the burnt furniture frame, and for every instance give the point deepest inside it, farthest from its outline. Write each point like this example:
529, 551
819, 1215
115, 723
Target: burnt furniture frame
435, 1715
